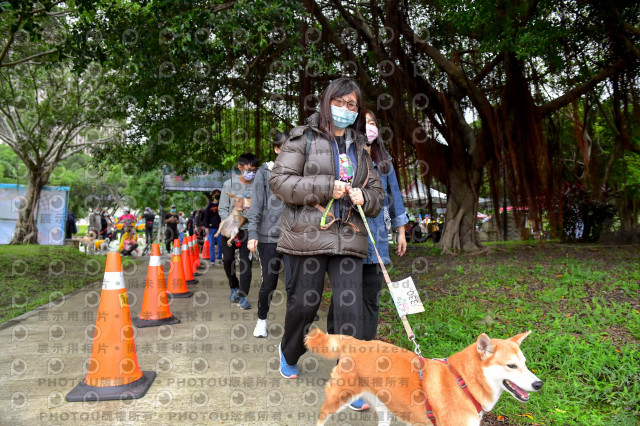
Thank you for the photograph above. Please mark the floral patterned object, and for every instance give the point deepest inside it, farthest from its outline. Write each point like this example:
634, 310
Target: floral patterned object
346, 170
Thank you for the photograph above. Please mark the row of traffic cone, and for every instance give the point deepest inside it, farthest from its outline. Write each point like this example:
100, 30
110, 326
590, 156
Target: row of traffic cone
113, 372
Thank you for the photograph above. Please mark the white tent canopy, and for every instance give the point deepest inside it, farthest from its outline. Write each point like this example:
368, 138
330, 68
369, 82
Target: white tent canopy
416, 195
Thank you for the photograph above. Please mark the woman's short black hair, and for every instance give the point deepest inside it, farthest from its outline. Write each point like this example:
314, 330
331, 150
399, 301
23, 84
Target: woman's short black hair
248, 158
280, 138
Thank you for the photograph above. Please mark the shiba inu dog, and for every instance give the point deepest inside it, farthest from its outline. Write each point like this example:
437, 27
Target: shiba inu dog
396, 380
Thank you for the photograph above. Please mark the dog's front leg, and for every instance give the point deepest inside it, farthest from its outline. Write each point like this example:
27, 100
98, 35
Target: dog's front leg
232, 236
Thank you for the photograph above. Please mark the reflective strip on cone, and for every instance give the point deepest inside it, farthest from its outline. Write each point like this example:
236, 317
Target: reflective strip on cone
155, 261
113, 281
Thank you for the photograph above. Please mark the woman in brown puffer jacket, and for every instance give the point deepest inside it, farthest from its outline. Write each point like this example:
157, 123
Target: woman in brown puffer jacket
323, 167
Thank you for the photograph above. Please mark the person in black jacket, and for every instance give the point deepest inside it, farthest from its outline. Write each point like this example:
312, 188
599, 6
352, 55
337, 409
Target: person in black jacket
148, 216
190, 223
212, 223
70, 227
171, 230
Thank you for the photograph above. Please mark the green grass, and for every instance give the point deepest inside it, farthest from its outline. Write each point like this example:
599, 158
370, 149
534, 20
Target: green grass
581, 302
33, 275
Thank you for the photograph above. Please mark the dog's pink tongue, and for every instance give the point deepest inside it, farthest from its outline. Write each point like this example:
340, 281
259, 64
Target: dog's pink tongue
520, 392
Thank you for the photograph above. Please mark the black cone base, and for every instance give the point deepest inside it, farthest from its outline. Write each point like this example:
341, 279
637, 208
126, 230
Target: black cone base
142, 323
192, 282
133, 390
180, 295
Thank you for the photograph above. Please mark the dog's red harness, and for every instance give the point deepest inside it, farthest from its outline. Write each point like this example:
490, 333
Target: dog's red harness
460, 382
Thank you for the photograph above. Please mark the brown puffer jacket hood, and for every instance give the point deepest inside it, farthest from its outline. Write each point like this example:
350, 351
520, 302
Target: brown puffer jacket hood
305, 182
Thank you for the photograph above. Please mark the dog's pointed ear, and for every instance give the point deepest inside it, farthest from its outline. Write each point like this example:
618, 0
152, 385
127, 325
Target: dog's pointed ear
519, 338
485, 347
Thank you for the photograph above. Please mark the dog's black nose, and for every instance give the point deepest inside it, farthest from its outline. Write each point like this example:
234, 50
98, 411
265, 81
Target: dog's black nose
537, 385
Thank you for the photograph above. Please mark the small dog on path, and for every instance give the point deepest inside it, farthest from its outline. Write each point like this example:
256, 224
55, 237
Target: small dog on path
102, 246
88, 242
389, 378
231, 225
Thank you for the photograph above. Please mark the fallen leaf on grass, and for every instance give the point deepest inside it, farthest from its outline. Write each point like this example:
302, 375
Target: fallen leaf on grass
500, 418
525, 415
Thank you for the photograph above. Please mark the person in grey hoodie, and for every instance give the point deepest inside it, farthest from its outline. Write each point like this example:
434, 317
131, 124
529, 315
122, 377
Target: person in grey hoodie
264, 231
242, 187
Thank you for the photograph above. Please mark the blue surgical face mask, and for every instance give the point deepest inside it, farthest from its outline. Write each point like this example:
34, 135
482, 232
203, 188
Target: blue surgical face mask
173, 210
248, 174
342, 117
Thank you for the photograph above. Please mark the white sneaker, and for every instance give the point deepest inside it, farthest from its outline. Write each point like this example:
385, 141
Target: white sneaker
261, 328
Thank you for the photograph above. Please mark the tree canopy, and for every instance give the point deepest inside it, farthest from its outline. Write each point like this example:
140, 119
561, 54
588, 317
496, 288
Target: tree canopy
520, 97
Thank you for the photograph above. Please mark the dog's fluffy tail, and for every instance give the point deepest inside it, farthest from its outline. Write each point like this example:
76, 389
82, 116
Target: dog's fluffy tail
326, 345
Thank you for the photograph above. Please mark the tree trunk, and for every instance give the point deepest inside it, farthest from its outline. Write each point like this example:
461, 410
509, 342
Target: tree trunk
462, 208
26, 231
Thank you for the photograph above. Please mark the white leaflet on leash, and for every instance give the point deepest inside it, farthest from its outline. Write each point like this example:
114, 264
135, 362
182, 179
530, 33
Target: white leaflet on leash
406, 297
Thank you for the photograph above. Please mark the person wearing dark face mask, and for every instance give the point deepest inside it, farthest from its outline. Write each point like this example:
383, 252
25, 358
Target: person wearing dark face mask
212, 223
171, 231
241, 187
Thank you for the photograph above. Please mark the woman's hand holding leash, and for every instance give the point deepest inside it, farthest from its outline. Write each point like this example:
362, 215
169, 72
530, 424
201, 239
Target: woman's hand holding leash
357, 198
339, 189
252, 245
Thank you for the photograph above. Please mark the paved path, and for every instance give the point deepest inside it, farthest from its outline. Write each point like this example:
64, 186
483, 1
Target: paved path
210, 368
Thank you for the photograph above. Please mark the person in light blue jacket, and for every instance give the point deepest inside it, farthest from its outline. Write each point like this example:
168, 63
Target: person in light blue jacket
393, 215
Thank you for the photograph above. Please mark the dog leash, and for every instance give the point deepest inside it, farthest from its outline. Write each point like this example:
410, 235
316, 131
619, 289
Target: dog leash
459, 380
403, 318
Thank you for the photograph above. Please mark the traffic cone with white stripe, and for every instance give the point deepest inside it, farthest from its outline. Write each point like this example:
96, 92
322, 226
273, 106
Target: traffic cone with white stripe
176, 284
155, 304
195, 257
113, 371
205, 250
186, 262
196, 251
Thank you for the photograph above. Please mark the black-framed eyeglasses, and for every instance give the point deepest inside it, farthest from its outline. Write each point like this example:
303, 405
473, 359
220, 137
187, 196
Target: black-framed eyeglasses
352, 105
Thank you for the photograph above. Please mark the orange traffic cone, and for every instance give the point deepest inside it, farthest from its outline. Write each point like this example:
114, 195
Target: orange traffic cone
205, 250
198, 253
155, 304
113, 371
186, 262
176, 284
194, 256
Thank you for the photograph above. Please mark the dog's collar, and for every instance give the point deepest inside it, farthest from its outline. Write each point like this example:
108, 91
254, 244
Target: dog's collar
460, 382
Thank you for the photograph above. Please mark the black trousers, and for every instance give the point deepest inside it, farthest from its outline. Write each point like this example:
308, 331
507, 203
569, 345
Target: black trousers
148, 235
270, 265
307, 278
372, 280
169, 236
244, 267
131, 249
